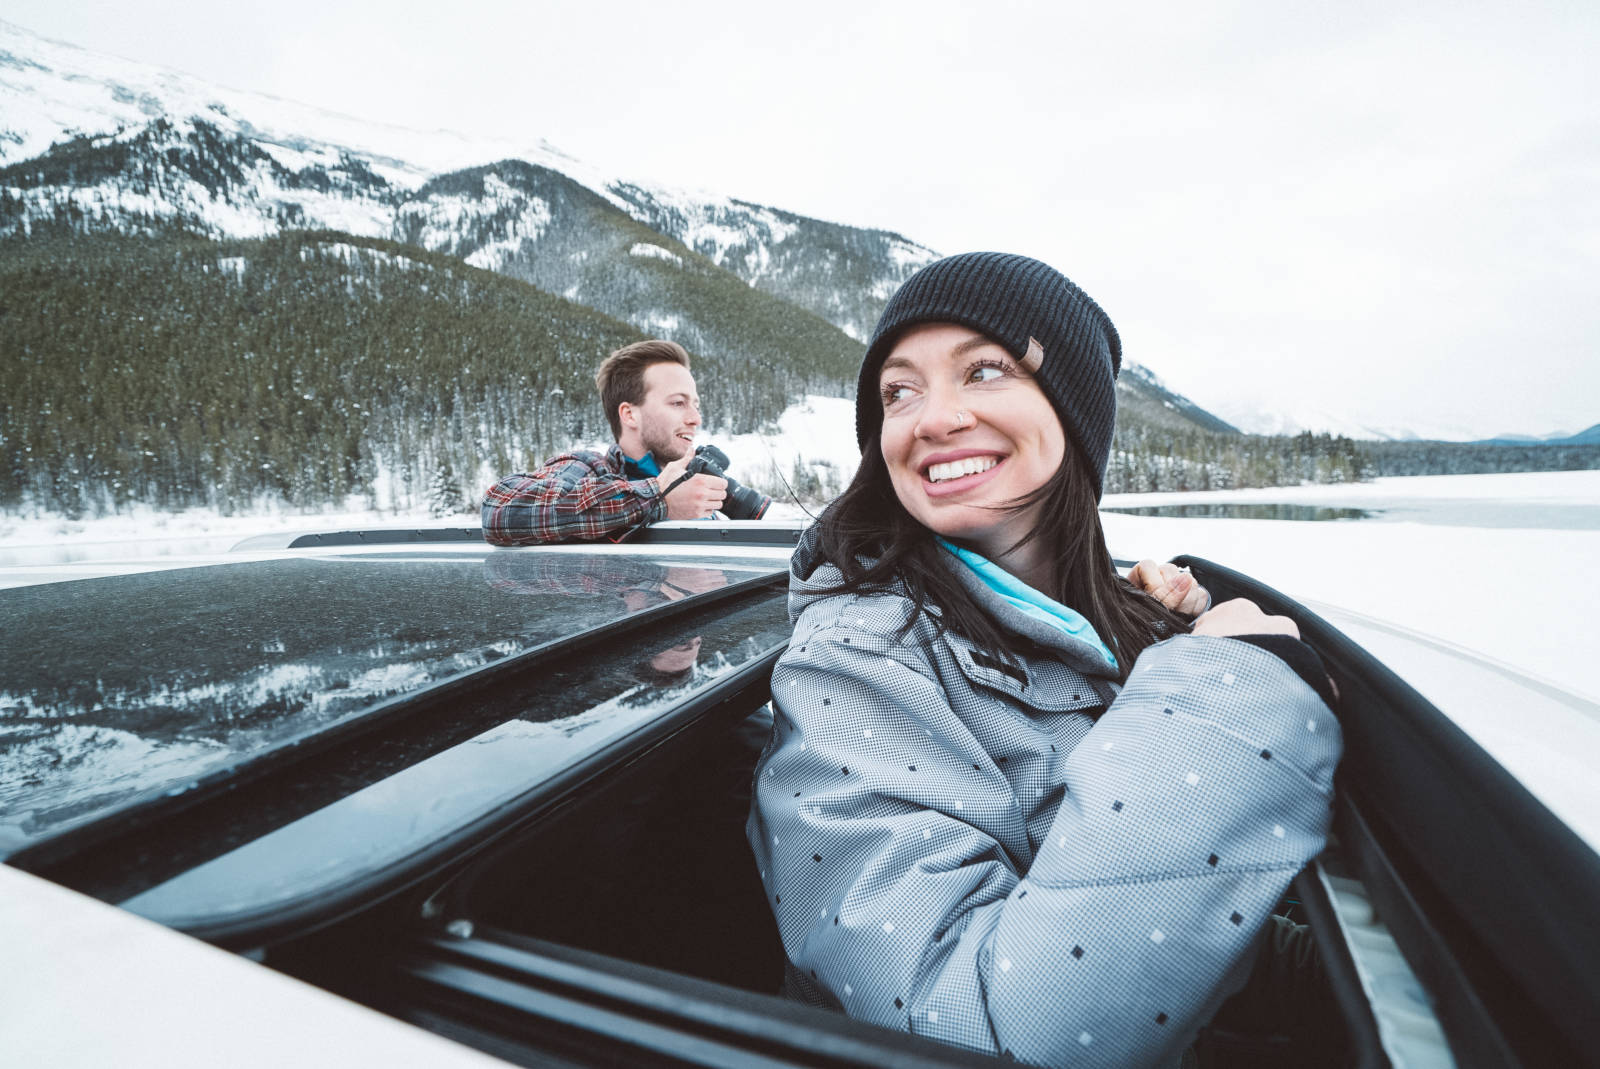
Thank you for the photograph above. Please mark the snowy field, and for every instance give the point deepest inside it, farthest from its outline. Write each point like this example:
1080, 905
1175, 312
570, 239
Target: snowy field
82, 548
1504, 591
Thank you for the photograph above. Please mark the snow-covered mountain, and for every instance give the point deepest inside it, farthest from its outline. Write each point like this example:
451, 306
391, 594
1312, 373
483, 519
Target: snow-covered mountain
1254, 418
1587, 436
138, 147
92, 144
1141, 392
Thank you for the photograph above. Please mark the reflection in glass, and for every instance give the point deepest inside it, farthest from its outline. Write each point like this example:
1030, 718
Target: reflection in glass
674, 661
384, 822
127, 687
520, 574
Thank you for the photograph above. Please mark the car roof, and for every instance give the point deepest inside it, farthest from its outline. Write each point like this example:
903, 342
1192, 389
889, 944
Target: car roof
87, 984
127, 693
446, 754
1547, 737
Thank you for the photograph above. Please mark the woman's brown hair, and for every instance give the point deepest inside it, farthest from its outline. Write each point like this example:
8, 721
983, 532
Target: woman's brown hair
878, 546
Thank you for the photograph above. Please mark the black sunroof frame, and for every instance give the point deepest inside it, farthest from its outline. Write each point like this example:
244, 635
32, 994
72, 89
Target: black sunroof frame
1421, 806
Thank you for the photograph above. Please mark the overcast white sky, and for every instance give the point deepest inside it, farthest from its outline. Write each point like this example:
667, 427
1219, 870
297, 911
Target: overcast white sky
1385, 213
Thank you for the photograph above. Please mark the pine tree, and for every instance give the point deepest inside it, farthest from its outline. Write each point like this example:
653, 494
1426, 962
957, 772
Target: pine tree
444, 494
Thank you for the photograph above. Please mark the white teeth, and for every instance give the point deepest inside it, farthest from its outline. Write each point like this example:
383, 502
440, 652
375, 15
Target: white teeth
939, 473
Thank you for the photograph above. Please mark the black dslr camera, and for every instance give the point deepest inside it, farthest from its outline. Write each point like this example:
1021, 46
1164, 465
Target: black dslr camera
742, 503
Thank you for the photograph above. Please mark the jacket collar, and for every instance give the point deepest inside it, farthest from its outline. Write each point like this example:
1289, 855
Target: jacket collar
811, 579
1026, 609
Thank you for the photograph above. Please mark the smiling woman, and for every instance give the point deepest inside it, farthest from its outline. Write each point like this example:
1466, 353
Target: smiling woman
1010, 802
966, 433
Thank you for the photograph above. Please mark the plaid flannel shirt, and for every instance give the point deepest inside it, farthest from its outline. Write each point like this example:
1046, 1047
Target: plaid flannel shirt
578, 496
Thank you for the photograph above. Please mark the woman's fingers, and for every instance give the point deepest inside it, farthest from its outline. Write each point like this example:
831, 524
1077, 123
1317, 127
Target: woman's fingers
1197, 601
1145, 575
1160, 581
1171, 585
1196, 598
1243, 617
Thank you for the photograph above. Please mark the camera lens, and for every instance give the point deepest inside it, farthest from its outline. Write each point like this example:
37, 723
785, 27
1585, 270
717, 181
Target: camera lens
741, 503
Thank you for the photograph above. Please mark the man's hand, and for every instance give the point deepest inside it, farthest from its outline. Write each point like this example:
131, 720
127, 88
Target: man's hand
1171, 585
1242, 616
696, 498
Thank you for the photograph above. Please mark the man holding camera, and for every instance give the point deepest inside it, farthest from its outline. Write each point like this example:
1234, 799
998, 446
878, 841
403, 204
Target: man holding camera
648, 475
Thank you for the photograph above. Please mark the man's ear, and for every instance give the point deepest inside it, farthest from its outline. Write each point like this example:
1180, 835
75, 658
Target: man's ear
626, 416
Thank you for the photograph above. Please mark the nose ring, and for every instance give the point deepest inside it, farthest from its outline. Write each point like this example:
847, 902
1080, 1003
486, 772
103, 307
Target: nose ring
961, 420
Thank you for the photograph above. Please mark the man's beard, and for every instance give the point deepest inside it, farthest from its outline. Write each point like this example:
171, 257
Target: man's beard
664, 444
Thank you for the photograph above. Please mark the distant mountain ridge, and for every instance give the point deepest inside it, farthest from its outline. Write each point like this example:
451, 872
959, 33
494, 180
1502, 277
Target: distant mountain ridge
1141, 392
1588, 436
64, 93
121, 147
91, 142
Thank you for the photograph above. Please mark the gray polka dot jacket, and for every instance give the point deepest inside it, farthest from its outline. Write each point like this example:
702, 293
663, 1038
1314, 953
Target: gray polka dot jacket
1028, 860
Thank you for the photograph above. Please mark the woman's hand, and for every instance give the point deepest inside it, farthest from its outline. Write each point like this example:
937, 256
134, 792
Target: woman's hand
1242, 616
1171, 585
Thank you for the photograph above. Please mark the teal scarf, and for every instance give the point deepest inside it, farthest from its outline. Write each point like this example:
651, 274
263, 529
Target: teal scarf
1029, 601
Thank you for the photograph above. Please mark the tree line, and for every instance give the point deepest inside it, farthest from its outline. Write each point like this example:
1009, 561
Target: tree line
177, 371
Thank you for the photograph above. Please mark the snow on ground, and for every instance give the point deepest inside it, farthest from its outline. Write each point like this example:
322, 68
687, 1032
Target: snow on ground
649, 251
144, 533
1503, 591
819, 431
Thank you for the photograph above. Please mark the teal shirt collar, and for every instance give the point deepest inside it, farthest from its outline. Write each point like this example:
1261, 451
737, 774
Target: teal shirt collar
647, 464
1030, 601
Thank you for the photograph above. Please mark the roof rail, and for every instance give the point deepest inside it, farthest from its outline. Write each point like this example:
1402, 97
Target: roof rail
379, 536
670, 532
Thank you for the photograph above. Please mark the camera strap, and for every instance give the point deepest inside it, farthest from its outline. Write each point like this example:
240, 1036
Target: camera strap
636, 528
679, 481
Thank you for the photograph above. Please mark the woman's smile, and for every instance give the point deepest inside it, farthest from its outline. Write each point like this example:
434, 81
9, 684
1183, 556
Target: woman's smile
956, 472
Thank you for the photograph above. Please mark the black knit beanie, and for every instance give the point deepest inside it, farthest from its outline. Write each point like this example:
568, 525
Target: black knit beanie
1037, 315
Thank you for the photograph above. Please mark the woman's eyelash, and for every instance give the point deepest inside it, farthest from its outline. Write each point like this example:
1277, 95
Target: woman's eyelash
888, 390
998, 365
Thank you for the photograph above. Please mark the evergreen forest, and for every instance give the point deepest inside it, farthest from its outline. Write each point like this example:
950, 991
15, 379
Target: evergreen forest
179, 371
175, 370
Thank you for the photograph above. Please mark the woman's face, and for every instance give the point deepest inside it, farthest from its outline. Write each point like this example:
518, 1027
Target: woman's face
953, 472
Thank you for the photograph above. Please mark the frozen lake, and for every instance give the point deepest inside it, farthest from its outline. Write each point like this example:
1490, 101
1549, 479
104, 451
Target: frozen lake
1460, 512
1546, 501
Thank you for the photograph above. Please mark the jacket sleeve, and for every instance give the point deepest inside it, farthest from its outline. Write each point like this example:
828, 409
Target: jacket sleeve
887, 839
573, 497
